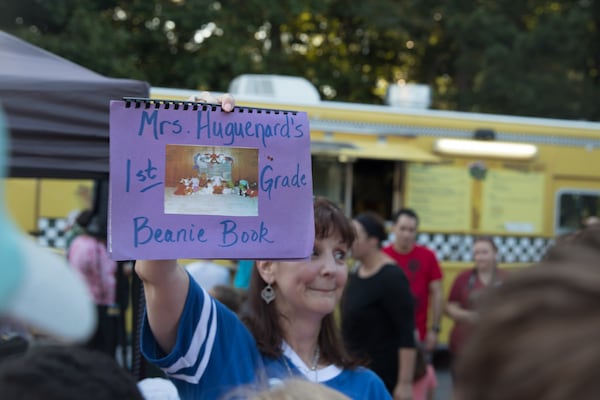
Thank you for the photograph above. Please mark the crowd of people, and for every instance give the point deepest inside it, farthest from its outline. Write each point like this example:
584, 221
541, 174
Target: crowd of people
272, 332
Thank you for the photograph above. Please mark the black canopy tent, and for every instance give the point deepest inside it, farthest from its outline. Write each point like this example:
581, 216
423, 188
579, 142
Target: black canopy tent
57, 112
58, 118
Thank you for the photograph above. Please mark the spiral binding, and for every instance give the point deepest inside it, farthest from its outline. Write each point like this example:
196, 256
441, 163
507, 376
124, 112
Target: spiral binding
166, 104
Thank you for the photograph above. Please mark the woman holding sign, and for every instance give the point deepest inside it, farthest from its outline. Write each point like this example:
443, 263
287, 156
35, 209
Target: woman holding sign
289, 330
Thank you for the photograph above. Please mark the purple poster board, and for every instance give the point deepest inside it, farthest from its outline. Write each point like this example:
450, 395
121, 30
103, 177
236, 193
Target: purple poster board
188, 180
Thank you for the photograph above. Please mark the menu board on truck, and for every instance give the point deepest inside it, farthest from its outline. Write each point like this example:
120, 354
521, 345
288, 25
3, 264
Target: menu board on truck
441, 196
512, 201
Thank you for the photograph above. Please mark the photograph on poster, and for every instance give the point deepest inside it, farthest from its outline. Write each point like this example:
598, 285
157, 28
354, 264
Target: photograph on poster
211, 180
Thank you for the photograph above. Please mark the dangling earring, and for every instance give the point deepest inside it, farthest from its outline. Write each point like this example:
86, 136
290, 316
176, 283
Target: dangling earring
268, 293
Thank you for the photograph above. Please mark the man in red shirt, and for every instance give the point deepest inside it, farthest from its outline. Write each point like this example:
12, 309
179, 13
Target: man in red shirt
423, 272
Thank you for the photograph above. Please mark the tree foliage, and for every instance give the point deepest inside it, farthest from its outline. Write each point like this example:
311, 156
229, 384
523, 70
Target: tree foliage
534, 57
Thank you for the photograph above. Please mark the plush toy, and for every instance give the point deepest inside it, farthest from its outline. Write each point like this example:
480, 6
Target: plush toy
180, 189
195, 183
202, 180
202, 160
188, 186
212, 158
184, 187
243, 186
218, 189
252, 190
217, 180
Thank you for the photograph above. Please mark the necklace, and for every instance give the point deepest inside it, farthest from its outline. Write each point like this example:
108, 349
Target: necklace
315, 360
313, 367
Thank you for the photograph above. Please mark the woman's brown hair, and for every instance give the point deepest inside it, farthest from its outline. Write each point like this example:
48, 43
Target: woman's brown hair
262, 319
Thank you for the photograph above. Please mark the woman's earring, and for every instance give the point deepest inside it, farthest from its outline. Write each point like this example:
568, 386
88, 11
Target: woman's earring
268, 293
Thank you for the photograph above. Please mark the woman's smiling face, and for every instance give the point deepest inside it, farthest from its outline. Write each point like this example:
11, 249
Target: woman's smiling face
314, 286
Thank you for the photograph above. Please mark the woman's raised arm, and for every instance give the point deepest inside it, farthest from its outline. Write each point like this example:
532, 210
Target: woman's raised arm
166, 286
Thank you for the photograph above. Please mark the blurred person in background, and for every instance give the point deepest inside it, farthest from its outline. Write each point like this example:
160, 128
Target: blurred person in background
378, 311
89, 256
231, 297
242, 275
468, 287
425, 379
424, 274
208, 273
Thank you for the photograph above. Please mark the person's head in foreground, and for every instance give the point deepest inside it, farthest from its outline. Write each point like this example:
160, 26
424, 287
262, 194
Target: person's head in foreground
579, 244
299, 389
537, 336
158, 389
65, 373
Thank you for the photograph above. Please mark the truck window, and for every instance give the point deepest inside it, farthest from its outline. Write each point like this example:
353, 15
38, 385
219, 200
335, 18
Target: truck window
573, 207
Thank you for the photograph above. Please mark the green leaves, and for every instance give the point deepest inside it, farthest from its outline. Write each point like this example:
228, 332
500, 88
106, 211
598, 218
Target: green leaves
533, 57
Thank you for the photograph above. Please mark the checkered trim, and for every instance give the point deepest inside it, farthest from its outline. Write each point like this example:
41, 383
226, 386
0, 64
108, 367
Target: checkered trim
447, 247
51, 232
459, 247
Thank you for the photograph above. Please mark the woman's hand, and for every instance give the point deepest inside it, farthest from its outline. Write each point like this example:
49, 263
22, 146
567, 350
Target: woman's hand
226, 100
459, 314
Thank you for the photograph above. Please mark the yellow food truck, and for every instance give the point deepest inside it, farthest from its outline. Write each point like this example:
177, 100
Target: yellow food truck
522, 180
